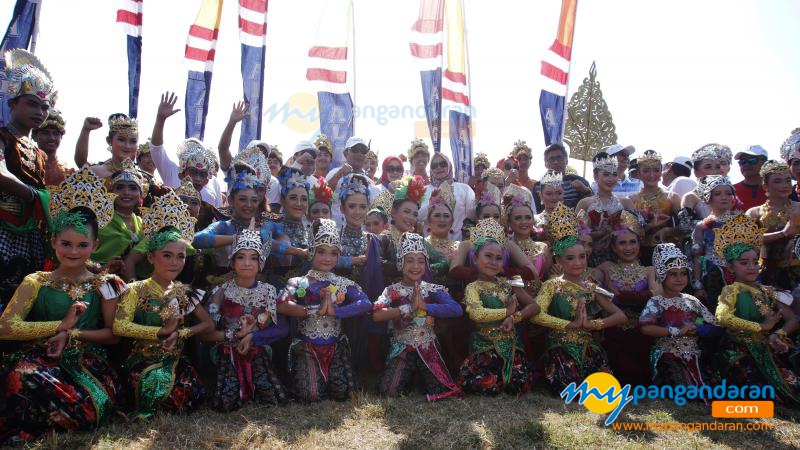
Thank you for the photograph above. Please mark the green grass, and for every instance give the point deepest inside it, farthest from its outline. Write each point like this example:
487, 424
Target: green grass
537, 420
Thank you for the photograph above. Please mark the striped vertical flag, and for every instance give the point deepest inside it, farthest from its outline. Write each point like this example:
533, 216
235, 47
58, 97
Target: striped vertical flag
328, 67
129, 15
426, 48
455, 89
253, 36
21, 33
555, 74
200, 49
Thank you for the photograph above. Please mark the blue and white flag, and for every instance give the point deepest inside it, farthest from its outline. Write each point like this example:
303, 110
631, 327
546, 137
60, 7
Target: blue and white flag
21, 33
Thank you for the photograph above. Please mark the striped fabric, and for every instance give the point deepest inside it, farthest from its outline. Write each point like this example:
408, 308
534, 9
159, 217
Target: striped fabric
202, 40
555, 74
426, 49
129, 15
455, 89
253, 22
253, 36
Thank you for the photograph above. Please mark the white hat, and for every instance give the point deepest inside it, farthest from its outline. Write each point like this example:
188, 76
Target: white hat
305, 146
616, 148
753, 150
353, 141
683, 161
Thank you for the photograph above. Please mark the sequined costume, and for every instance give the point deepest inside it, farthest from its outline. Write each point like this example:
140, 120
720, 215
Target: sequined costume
247, 377
414, 349
676, 360
571, 354
496, 361
76, 391
713, 272
746, 357
781, 265
158, 380
602, 217
319, 357
650, 208
625, 345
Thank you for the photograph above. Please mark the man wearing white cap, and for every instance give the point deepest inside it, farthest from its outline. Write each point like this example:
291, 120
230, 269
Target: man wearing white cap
749, 190
626, 186
305, 153
675, 176
355, 155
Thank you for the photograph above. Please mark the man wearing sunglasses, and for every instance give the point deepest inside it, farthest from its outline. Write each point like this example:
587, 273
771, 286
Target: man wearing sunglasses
749, 190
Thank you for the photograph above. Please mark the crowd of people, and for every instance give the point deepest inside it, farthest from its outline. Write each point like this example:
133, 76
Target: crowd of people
163, 279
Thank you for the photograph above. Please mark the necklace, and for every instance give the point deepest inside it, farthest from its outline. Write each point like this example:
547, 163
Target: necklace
113, 166
443, 245
609, 206
531, 248
76, 290
772, 219
627, 275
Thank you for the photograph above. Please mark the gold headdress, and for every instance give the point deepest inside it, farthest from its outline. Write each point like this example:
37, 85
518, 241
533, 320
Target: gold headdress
327, 234
144, 149
629, 221
608, 164
563, 226
193, 153
552, 179
481, 159
492, 172
167, 211
82, 188
255, 159
521, 147
442, 195
129, 172
371, 155
321, 142
489, 195
417, 145
649, 158
514, 196
123, 126
720, 151
771, 167
274, 152
26, 75
54, 120
790, 149
410, 243
383, 201
739, 234
186, 189
488, 229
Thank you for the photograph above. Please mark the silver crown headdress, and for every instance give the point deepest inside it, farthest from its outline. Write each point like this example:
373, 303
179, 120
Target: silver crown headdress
26, 75
704, 152
552, 179
410, 243
710, 182
250, 239
608, 164
254, 158
327, 234
666, 257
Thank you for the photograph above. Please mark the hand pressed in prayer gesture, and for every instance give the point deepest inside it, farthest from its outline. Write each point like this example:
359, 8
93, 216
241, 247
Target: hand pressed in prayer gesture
167, 106
92, 123
73, 315
658, 220
417, 303
239, 111
56, 344
580, 316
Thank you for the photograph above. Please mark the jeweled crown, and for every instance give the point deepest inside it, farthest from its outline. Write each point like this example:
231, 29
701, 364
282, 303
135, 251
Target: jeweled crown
83, 188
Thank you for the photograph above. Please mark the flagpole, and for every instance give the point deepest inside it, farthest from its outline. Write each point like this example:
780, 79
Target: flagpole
566, 88
469, 90
353, 34
35, 34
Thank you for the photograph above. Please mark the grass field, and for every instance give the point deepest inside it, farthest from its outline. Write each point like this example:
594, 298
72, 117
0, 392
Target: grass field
536, 420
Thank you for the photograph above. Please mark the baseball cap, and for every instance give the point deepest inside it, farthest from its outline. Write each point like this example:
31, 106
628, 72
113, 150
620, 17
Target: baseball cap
353, 141
683, 161
305, 146
616, 148
753, 150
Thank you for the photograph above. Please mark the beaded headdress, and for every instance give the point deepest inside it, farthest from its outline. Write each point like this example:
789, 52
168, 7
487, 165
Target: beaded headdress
129, 172
353, 184
704, 152
321, 142
717, 150
773, 166
410, 188
383, 201
81, 188
481, 160
649, 158
492, 172
320, 193
186, 189
487, 230
606, 164
292, 178
710, 182
410, 243
371, 155
327, 234
254, 157
250, 239
790, 149
240, 177
123, 126
552, 179
724, 152
193, 153
54, 120
629, 221
443, 195
667, 257
274, 152
563, 226
26, 75
144, 149
521, 147
515, 196
167, 220
488, 194
738, 235
417, 145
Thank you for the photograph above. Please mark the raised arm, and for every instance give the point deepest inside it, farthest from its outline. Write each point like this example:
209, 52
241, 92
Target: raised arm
238, 113
82, 146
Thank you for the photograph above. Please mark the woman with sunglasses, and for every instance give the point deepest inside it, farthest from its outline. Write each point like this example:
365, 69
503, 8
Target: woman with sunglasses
391, 170
442, 173
750, 191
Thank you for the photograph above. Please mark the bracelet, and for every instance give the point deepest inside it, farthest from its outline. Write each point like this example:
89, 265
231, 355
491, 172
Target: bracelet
184, 333
597, 324
517, 317
674, 332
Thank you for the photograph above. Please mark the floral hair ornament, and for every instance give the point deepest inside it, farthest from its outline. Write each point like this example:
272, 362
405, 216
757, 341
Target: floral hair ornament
321, 142
292, 178
26, 75
790, 149
81, 188
250, 239
520, 147
487, 195
444, 196
320, 193
481, 160
410, 188
410, 243
254, 157
738, 235
353, 184
167, 220
327, 234
516, 196
667, 257
563, 226
629, 221
192, 153
710, 182
129, 172
773, 166
241, 177
417, 146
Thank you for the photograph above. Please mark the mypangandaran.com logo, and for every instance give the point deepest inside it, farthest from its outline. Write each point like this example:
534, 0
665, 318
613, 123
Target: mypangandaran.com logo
601, 393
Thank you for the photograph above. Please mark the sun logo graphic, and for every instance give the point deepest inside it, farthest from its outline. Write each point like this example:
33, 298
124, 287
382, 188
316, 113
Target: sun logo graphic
300, 113
600, 393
